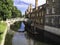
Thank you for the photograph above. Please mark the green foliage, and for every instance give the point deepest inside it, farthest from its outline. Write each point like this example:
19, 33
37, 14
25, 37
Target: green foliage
16, 12
15, 26
1, 37
2, 27
7, 10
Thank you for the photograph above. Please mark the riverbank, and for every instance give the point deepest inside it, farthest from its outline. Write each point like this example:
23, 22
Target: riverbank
3, 26
8, 39
13, 29
3, 30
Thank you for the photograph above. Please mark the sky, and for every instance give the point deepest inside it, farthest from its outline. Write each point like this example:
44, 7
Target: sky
22, 5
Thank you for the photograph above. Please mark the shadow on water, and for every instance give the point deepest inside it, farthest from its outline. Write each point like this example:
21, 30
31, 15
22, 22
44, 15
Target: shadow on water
43, 40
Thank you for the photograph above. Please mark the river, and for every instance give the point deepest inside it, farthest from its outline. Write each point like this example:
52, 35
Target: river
22, 38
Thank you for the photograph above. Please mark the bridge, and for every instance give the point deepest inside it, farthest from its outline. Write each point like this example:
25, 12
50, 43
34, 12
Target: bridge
13, 20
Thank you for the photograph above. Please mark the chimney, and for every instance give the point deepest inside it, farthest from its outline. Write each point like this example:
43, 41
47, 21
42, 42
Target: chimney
36, 4
30, 7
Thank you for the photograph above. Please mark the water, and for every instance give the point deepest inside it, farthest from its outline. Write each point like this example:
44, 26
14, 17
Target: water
22, 27
22, 38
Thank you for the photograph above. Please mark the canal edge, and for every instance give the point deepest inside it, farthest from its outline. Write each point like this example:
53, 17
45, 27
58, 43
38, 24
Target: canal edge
4, 36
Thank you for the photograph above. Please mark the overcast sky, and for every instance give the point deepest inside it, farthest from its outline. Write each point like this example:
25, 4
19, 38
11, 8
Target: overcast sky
23, 4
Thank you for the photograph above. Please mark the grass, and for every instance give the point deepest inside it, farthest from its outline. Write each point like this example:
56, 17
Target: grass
1, 37
2, 29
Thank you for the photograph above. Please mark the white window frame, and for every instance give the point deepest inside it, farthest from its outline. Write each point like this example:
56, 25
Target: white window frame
47, 11
52, 21
37, 14
42, 13
41, 20
46, 21
53, 0
47, 2
53, 10
41, 7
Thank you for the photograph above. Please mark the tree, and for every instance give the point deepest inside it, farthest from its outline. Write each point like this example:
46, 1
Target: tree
16, 12
7, 10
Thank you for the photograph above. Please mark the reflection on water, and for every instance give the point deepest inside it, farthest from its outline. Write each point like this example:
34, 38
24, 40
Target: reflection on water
24, 39
19, 39
22, 27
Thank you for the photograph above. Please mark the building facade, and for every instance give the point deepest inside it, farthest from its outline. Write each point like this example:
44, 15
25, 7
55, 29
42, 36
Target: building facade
37, 15
52, 13
45, 17
53, 7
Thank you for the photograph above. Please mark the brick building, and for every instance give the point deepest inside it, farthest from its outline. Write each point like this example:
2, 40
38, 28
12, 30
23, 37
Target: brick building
52, 13
45, 16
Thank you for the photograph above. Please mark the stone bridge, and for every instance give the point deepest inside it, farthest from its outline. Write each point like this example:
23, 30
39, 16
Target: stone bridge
13, 20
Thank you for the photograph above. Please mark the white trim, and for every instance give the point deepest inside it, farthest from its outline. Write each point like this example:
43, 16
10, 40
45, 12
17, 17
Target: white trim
52, 21
46, 20
53, 10
52, 30
47, 11
37, 14
51, 15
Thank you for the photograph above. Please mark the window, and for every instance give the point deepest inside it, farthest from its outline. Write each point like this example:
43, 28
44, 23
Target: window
41, 7
41, 20
47, 11
42, 13
47, 2
29, 15
37, 15
53, 10
46, 21
32, 15
53, 0
52, 21
59, 20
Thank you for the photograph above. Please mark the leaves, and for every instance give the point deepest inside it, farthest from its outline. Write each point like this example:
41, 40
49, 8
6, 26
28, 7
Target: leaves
16, 12
7, 10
